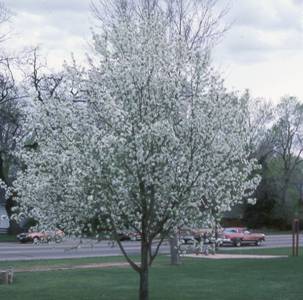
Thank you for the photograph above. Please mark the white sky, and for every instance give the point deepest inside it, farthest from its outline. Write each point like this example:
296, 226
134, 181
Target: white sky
262, 51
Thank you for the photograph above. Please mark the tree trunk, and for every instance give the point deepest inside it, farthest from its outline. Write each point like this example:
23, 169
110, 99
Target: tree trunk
1, 169
4, 168
174, 253
284, 201
143, 292
6, 277
284, 193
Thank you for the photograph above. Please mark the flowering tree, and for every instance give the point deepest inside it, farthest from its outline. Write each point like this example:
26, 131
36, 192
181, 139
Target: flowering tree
154, 141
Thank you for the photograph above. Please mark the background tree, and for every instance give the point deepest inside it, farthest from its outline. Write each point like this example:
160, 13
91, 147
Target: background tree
288, 137
5, 15
279, 152
10, 116
10, 112
260, 116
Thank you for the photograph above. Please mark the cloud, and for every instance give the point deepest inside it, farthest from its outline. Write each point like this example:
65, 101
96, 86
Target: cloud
298, 2
261, 29
249, 45
47, 6
270, 79
57, 27
267, 15
261, 51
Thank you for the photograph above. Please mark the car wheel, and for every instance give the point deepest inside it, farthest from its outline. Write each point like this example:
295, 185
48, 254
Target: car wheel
58, 239
237, 243
258, 243
219, 244
36, 240
183, 248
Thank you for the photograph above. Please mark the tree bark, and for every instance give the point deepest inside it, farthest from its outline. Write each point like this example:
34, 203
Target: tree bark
144, 290
6, 277
1, 168
284, 200
174, 253
4, 168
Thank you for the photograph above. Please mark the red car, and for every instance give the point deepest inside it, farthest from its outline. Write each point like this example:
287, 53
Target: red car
44, 236
238, 236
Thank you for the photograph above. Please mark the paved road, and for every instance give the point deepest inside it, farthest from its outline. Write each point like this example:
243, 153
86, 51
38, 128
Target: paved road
274, 241
281, 240
67, 249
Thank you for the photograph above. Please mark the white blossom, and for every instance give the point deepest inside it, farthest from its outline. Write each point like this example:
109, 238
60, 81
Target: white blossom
157, 143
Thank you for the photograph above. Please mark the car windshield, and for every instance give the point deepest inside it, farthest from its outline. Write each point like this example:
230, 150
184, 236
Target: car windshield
230, 230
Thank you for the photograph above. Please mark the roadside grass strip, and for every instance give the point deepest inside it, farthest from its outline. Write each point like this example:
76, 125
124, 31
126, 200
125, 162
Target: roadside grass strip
73, 267
234, 256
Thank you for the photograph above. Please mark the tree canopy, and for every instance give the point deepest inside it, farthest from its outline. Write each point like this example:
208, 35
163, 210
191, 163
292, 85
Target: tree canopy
150, 141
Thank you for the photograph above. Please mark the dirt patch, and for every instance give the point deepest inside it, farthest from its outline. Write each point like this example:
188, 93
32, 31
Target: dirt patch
72, 267
234, 256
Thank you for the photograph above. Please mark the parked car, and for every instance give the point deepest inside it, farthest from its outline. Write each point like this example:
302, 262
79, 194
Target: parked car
186, 236
43, 236
123, 237
135, 236
238, 236
190, 236
129, 236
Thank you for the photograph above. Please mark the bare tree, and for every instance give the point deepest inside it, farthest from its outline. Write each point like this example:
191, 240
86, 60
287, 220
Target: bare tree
39, 82
260, 117
10, 127
199, 21
5, 15
9, 114
288, 140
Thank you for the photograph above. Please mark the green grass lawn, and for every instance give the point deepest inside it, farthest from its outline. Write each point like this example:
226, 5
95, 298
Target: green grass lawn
60, 262
280, 279
260, 251
8, 238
